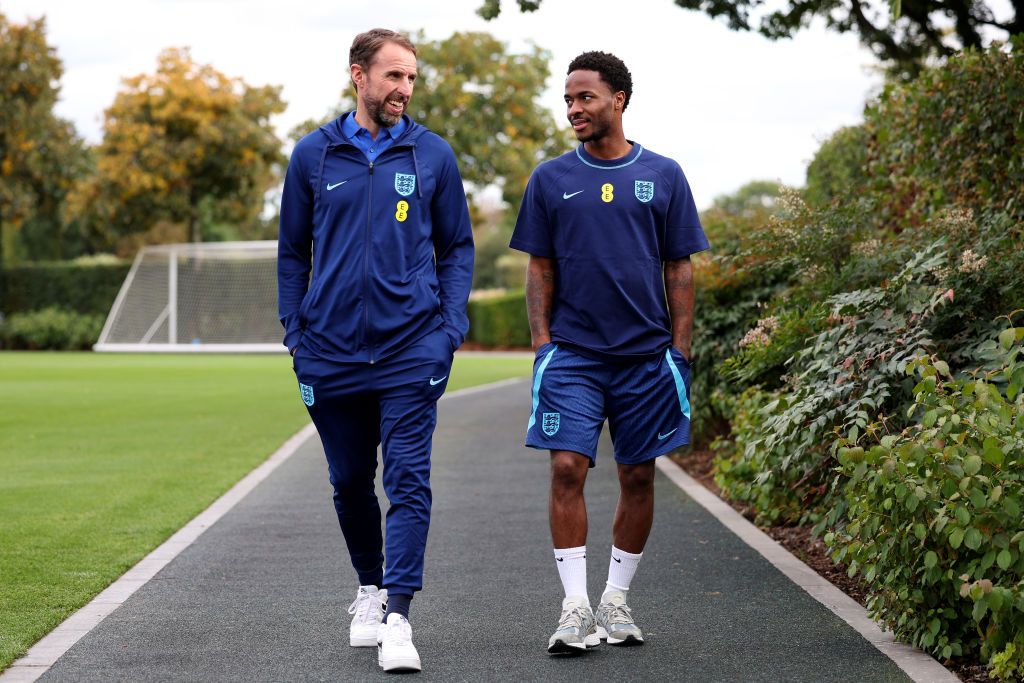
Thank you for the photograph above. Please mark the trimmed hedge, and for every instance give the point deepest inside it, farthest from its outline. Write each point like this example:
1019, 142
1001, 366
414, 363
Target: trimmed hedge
499, 321
83, 288
50, 329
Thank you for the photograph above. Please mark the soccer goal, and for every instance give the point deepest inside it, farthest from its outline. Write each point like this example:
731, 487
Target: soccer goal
213, 297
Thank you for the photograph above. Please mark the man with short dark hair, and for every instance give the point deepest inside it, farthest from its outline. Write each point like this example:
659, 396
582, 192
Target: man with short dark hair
610, 228
374, 206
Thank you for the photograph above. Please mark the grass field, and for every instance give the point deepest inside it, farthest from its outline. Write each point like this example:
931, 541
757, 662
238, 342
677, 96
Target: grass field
102, 457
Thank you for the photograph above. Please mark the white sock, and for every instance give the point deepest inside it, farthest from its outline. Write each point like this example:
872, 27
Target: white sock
621, 568
572, 570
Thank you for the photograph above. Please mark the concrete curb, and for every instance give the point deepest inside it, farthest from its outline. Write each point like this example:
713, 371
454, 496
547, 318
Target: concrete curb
916, 664
44, 654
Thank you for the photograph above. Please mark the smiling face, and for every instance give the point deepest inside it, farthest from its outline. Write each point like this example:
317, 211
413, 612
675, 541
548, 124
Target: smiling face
594, 111
384, 87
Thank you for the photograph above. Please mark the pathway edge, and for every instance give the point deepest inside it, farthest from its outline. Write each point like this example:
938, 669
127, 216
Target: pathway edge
920, 667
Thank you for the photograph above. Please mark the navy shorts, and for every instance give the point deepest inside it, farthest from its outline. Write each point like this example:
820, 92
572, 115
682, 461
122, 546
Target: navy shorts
647, 404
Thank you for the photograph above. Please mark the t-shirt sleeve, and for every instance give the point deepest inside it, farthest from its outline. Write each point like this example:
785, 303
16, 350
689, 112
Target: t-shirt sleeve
683, 232
532, 233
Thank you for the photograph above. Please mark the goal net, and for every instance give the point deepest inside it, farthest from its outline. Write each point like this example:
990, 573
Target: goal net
219, 296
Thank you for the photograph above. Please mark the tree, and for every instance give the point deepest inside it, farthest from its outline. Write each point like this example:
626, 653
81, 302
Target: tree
732, 218
40, 154
181, 145
924, 29
486, 103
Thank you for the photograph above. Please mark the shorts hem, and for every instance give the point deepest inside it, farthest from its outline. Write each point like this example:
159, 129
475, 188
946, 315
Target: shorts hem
658, 452
564, 447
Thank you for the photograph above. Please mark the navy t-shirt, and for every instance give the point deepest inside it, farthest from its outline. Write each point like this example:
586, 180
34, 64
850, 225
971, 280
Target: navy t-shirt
610, 225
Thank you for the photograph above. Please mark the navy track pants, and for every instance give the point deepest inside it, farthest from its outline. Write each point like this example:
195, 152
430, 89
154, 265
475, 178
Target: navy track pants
392, 403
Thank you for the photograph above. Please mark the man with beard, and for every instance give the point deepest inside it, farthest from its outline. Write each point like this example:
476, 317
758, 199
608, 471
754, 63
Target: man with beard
610, 228
374, 206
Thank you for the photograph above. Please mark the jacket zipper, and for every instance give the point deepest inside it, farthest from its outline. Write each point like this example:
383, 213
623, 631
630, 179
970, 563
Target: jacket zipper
366, 265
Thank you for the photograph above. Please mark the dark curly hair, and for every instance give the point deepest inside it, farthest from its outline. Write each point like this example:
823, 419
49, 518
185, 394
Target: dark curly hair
612, 71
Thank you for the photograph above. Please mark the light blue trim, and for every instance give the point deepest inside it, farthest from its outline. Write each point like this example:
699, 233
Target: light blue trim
639, 151
536, 386
684, 403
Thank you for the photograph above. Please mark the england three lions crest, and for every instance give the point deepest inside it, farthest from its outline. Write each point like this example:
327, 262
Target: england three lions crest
405, 184
644, 190
550, 423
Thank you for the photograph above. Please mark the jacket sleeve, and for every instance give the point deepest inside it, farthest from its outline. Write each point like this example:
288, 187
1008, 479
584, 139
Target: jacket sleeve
453, 248
294, 248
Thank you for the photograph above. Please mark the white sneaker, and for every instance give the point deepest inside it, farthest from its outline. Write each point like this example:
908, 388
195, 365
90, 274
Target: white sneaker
615, 621
577, 629
395, 651
368, 610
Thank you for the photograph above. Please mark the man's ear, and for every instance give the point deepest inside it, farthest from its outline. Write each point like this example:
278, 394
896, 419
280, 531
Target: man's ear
358, 76
620, 100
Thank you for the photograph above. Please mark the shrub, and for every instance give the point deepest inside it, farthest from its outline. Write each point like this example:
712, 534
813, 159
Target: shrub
953, 136
85, 288
50, 329
499, 321
932, 514
782, 460
837, 170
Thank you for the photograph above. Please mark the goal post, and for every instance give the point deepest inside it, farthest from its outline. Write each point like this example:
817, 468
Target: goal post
192, 298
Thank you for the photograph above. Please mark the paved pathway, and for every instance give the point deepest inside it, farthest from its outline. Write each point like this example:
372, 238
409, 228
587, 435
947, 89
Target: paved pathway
262, 595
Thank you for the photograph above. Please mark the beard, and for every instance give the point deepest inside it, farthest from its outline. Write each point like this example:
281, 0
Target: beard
378, 112
597, 129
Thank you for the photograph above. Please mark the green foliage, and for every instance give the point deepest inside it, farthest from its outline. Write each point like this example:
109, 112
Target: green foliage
837, 170
499, 321
913, 35
486, 102
913, 250
732, 218
932, 514
40, 154
954, 136
729, 296
82, 287
836, 383
50, 329
175, 139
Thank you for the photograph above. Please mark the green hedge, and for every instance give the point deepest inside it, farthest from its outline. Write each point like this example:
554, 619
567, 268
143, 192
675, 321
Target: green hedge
953, 136
499, 321
50, 329
84, 288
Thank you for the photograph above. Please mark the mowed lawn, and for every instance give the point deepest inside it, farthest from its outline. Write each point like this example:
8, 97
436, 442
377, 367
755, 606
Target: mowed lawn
104, 456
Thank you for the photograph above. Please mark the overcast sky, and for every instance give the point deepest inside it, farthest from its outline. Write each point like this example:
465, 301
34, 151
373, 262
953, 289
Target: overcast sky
730, 107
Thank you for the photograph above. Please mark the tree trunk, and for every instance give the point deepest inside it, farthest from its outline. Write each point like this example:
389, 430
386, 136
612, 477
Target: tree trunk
193, 229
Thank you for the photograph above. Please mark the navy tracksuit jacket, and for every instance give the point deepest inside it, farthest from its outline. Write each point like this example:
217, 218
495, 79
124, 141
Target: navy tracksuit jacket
390, 248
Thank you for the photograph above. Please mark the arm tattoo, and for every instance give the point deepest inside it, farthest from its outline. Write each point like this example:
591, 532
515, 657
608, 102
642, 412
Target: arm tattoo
540, 295
679, 294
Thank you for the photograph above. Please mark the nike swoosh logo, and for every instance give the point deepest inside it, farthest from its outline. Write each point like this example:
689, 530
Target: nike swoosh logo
435, 382
331, 187
616, 559
662, 437
566, 195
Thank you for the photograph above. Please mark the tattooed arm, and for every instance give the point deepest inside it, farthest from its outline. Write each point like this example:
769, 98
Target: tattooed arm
540, 295
679, 292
